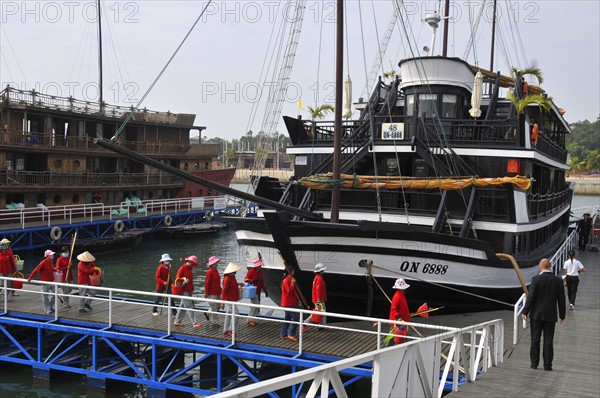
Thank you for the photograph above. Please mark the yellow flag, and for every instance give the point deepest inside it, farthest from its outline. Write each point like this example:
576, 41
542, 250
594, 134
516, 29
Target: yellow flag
300, 103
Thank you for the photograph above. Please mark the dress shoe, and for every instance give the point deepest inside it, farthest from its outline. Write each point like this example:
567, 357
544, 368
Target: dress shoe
547, 367
533, 366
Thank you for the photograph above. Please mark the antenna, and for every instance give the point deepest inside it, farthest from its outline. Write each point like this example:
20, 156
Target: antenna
433, 19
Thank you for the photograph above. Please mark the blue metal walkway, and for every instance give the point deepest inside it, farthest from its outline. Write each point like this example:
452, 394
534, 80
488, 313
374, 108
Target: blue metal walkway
33, 228
120, 340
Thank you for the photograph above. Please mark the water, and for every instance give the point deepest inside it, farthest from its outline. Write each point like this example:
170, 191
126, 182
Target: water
134, 270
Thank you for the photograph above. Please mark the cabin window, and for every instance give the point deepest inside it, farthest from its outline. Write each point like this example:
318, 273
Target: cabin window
57, 199
75, 198
427, 105
449, 102
410, 104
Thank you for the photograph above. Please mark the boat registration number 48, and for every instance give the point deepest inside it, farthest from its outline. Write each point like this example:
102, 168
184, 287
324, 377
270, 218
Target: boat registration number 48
392, 131
427, 268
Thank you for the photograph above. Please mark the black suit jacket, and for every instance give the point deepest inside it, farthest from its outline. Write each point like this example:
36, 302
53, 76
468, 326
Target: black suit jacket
545, 292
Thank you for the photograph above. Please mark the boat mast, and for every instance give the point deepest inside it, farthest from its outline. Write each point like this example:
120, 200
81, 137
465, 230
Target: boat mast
493, 37
100, 54
337, 127
446, 22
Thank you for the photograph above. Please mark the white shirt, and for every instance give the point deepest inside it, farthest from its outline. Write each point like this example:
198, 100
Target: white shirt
573, 267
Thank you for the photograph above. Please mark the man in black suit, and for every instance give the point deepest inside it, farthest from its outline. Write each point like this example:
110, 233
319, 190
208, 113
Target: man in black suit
545, 293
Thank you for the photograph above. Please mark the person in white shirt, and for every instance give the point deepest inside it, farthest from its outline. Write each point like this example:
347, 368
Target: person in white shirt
571, 269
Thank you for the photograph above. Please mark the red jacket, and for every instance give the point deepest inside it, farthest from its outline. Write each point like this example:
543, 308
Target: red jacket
84, 270
163, 277
186, 272
399, 309
46, 270
212, 283
231, 292
7, 262
62, 264
319, 292
289, 297
255, 277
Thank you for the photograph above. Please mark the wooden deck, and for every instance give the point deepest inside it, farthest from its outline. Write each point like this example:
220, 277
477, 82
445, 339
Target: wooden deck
576, 352
331, 343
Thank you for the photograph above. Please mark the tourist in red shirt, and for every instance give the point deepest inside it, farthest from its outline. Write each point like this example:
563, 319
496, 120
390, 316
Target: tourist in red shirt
85, 268
255, 278
163, 281
64, 266
399, 309
230, 293
8, 266
212, 288
319, 294
46, 271
186, 278
289, 299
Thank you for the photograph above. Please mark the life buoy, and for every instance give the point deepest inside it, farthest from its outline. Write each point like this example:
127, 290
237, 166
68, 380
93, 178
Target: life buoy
534, 133
56, 233
119, 225
168, 221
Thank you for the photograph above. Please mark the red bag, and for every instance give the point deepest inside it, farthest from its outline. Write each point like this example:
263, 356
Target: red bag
17, 284
317, 318
400, 331
176, 289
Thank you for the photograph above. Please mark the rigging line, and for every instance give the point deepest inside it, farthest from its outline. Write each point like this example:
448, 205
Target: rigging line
260, 79
115, 59
513, 42
263, 71
78, 52
370, 109
516, 28
318, 89
116, 48
3, 56
130, 115
12, 50
413, 276
474, 28
274, 64
510, 51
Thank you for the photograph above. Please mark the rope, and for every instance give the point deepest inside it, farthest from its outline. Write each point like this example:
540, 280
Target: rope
412, 276
130, 115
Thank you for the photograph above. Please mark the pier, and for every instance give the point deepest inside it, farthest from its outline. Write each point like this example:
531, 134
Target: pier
32, 228
472, 354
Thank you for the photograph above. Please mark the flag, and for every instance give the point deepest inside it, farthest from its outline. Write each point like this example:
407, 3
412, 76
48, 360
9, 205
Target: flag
300, 103
422, 310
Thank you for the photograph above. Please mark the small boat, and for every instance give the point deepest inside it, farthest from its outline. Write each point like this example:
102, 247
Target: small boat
109, 243
194, 229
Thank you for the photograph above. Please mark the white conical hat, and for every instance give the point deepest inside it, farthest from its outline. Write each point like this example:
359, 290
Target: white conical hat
86, 257
231, 268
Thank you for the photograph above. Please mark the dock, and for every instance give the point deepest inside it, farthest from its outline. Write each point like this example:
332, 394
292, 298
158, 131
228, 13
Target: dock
462, 355
576, 365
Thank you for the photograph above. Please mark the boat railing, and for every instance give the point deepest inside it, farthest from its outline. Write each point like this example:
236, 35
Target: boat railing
543, 205
40, 100
561, 255
432, 349
53, 140
548, 147
26, 217
85, 179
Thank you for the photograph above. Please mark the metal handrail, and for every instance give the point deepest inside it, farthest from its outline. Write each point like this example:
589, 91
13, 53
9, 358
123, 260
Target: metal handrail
66, 214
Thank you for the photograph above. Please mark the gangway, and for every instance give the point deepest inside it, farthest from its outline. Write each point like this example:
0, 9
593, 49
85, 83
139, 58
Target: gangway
120, 340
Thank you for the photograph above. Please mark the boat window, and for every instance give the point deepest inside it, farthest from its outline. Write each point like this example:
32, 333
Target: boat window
449, 105
410, 105
427, 105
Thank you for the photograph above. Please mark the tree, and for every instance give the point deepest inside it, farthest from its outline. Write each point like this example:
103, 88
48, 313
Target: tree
592, 161
533, 71
521, 103
576, 164
320, 112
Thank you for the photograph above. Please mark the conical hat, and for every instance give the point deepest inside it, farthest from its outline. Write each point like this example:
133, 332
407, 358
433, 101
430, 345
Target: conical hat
86, 257
231, 268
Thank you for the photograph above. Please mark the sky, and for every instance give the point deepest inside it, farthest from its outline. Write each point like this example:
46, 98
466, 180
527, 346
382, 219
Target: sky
51, 46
